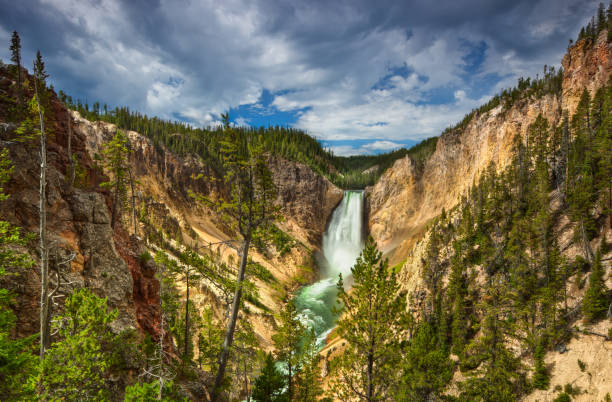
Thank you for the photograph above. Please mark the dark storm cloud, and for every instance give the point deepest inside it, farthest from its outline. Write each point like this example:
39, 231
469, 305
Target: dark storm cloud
322, 58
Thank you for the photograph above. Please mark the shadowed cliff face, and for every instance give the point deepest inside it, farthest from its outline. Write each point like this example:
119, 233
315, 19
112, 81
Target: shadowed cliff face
78, 224
401, 203
306, 197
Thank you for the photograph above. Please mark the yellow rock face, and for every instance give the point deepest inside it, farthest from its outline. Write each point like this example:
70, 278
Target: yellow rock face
402, 202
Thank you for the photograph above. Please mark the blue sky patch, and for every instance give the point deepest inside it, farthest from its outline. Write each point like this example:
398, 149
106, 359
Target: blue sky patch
263, 114
365, 147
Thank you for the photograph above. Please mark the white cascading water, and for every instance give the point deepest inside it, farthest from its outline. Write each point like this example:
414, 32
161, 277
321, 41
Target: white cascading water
342, 243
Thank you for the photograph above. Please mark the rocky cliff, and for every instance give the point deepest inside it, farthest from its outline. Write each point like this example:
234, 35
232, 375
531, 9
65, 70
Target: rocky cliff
79, 230
306, 197
110, 261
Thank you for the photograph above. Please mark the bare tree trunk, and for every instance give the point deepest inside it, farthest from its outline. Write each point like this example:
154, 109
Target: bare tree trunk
588, 251
161, 339
369, 377
70, 160
229, 335
44, 249
246, 380
564, 157
290, 381
115, 201
187, 314
19, 81
133, 199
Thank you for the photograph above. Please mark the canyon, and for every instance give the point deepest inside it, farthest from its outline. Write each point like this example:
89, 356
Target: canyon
399, 208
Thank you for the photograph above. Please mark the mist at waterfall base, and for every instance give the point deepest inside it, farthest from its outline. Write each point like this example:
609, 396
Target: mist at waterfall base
342, 243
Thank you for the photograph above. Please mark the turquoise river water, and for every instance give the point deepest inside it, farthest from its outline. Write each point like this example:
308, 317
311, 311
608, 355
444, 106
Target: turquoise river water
342, 243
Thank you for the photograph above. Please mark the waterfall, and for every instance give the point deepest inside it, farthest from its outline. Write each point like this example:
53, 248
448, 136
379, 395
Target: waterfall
342, 243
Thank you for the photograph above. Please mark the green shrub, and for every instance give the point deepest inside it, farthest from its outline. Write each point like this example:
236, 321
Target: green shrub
570, 390
149, 391
145, 257
541, 377
562, 397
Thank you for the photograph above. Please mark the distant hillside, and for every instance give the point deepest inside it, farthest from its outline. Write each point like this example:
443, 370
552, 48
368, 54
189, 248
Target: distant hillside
290, 143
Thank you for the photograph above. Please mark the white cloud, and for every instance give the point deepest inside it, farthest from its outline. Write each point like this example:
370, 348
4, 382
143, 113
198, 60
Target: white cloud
5, 37
347, 150
460, 95
160, 96
368, 148
241, 122
200, 58
382, 145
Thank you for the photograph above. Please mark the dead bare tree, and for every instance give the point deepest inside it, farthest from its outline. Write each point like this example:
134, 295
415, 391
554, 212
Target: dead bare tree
129, 169
42, 207
159, 370
61, 287
70, 158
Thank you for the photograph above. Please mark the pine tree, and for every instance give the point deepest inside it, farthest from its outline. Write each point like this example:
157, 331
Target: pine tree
432, 273
541, 377
193, 268
500, 374
115, 155
209, 341
16, 58
609, 14
427, 369
373, 324
45, 300
309, 381
581, 167
39, 68
457, 289
601, 18
244, 357
595, 301
603, 177
149, 392
248, 209
158, 367
288, 342
75, 367
270, 384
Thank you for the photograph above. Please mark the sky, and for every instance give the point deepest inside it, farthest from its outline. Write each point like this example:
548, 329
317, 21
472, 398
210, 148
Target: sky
362, 76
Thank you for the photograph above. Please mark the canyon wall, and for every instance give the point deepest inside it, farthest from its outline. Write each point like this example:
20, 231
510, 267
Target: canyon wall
402, 202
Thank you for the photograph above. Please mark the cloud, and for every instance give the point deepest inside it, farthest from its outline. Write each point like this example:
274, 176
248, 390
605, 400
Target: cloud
347, 150
348, 69
363, 147
241, 122
383, 145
